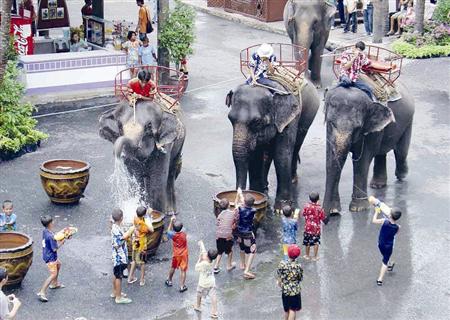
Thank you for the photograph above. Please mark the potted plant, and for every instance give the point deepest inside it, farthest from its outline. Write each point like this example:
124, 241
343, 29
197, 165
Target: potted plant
177, 34
17, 127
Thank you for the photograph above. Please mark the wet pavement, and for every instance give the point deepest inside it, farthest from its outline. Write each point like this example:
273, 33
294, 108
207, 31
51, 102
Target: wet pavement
341, 285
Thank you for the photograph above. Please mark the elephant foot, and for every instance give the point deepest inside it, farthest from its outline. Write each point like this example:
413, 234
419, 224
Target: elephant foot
317, 84
295, 179
401, 172
279, 204
378, 183
359, 204
334, 212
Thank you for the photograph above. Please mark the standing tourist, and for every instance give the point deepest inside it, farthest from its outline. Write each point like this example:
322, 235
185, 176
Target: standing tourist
341, 11
131, 47
147, 54
386, 238
368, 16
5, 313
351, 18
50, 249
144, 19
180, 254
289, 277
314, 216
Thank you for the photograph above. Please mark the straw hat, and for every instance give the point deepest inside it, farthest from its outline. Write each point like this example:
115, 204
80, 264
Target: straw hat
265, 50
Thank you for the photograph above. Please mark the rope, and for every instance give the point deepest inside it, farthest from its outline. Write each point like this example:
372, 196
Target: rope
271, 88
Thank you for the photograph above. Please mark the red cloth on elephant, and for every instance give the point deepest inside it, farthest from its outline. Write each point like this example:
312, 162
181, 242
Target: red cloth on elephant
314, 215
135, 87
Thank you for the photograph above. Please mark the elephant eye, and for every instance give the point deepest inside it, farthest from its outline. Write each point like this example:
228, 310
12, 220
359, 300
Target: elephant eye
256, 124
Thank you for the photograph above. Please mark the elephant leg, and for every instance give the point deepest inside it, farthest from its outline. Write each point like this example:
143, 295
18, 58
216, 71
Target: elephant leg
256, 170
283, 162
360, 172
379, 178
401, 154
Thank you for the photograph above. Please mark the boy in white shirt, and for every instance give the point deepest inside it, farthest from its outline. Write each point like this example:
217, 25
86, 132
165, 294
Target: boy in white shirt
5, 313
206, 281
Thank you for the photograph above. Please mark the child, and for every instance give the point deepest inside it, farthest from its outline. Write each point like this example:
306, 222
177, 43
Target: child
289, 222
8, 218
132, 48
50, 255
388, 231
143, 226
206, 281
180, 255
245, 236
119, 255
314, 215
224, 234
289, 277
147, 54
5, 313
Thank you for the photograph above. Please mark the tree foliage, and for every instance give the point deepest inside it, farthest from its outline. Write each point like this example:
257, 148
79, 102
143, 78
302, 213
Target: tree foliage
441, 13
177, 34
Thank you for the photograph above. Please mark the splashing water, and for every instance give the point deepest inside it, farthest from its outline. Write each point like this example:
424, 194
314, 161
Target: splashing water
125, 191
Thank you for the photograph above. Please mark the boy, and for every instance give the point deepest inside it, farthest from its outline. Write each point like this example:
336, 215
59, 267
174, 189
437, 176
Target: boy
180, 254
119, 255
5, 313
206, 281
143, 226
245, 236
147, 54
8, 218
224, 234
388, 231
289, 223
314, 215
289, 277
50, 255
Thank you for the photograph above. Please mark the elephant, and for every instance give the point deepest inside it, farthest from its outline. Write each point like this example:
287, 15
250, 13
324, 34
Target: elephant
308, 25
369, 130
155, 169
269, 127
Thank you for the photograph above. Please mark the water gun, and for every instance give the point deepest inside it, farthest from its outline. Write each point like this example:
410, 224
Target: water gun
380, 206
65, 233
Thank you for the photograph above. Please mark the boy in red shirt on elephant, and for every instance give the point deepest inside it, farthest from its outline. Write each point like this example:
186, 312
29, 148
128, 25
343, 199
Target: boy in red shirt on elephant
314, 215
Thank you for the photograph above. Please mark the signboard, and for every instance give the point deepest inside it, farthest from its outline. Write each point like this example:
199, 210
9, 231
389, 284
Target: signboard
52, 14
21, 31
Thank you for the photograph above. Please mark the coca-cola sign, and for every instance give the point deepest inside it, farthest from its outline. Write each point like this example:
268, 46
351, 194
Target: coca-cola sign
21, 32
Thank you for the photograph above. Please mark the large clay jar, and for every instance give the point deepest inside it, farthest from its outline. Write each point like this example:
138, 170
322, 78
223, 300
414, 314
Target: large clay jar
64, 181
154, 239
260, 203
16, 256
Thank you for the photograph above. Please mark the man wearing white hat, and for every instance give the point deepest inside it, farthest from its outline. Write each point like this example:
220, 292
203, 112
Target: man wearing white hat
262, 62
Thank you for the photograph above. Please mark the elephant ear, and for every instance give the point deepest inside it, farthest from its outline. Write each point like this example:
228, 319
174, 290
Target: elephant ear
109, 125
170, 129
229, 98
286, 108
329, 10
377, 118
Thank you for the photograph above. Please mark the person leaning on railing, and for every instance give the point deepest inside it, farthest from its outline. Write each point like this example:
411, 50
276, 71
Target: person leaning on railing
141, 87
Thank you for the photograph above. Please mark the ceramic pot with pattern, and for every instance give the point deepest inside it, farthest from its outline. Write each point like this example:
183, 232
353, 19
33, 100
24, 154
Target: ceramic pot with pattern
16, 256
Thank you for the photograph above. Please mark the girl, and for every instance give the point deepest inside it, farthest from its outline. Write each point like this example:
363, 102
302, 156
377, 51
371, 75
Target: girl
132, 49
76, 44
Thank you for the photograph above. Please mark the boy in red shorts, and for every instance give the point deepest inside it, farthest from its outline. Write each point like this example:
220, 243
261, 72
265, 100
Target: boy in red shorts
179, 252
314, 216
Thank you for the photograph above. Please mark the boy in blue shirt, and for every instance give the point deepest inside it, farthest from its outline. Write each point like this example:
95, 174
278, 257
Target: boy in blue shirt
290, 227
8, 218
50, 255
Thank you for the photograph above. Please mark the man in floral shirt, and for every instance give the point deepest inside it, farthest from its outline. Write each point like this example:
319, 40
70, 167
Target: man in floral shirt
352, 62
289, 277
314, 216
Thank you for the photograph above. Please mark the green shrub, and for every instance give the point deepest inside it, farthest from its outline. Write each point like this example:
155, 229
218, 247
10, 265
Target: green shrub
177, 34
441, 12
413, 52
17, 127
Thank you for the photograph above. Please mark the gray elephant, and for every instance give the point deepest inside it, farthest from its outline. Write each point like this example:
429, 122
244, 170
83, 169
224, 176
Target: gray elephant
154, 169
308, 24
269, 127
368, 130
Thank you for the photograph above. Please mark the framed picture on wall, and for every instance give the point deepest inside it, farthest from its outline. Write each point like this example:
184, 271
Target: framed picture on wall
52, 13
60, 13
44, 14
52, 3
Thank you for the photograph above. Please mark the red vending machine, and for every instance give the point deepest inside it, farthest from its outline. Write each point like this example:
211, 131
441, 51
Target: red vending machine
23, 38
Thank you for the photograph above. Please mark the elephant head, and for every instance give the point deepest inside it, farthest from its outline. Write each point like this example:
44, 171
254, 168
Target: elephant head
350, 115
257, 116
137, 134
308, 24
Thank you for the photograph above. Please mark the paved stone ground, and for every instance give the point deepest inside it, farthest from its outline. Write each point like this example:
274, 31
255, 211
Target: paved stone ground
340, 286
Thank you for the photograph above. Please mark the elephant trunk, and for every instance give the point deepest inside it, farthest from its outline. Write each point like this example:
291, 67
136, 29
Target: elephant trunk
241, 151
338, 147
119, 144
303, 36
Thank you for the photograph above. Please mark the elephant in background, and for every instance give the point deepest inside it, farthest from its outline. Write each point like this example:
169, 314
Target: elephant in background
269, 127
308, 24
368, 130
155, 170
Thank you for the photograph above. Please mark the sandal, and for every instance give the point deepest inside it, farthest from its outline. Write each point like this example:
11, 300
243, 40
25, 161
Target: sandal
198, 309
216, 270
233, 266
391, 267
183, 289
142, 283
124, 295
58, 286
168, 283
249, 276
214, 316
42, 297
379, 283
131, 281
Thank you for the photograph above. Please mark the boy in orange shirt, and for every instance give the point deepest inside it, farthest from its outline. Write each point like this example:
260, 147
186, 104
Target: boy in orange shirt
143, 226
180, 253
